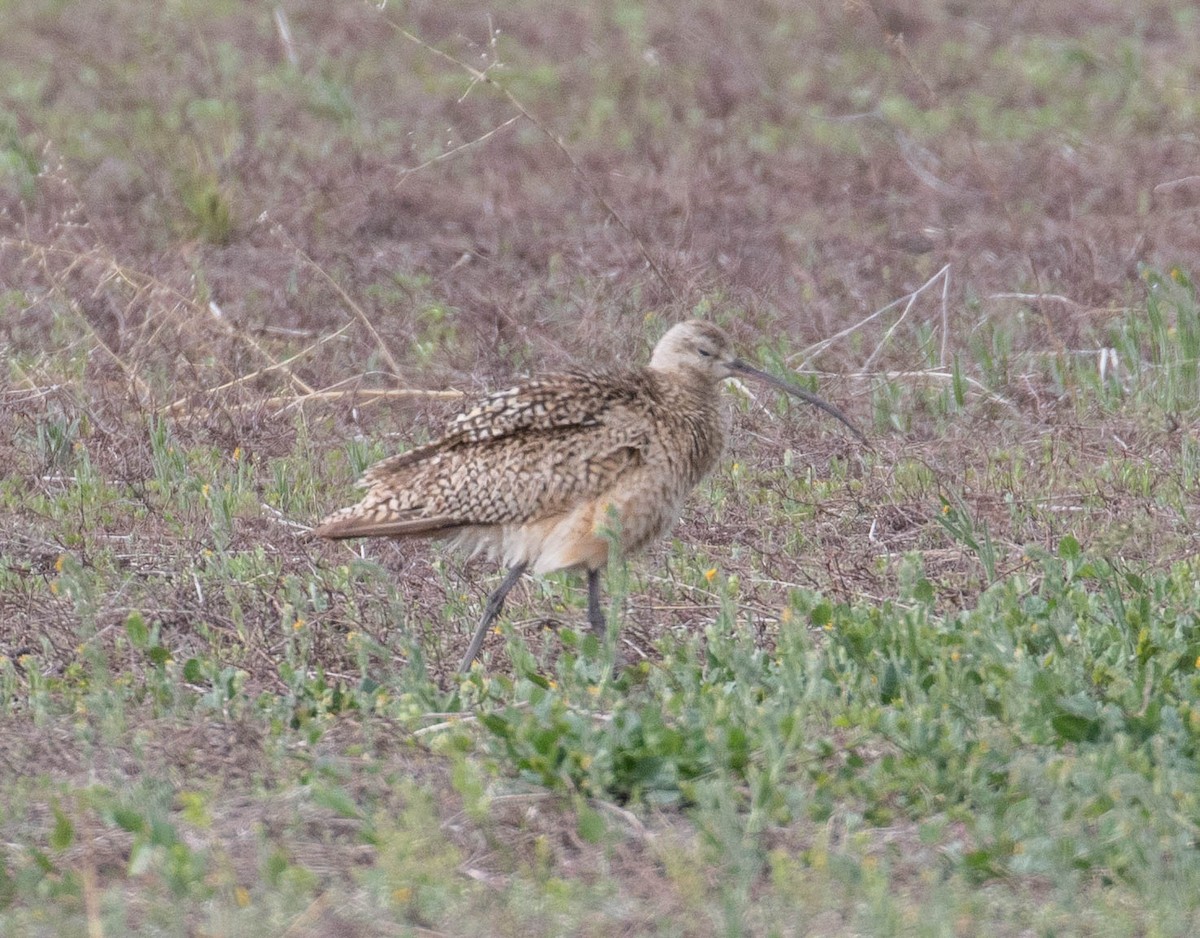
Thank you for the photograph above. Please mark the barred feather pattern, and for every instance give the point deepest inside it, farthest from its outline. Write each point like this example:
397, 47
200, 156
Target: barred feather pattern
539, 472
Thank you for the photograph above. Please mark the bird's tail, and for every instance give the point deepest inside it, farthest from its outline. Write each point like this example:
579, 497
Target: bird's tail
360, 521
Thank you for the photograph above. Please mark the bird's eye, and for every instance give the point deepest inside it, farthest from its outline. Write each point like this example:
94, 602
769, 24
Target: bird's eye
704, 353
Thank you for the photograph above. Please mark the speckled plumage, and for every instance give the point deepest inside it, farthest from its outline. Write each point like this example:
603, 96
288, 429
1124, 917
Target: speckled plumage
539, 474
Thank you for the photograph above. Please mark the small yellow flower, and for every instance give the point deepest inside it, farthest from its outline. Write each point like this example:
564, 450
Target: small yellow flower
553, 684
237, 453
945, 509
54, 587
786, 615
241, 896
955, 655
297, 625
403, 894
204, 490
58, 564
710, 574
1198, 664
1177, 275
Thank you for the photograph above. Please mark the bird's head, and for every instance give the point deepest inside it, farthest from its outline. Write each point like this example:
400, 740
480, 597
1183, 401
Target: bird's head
699, 347
695, 346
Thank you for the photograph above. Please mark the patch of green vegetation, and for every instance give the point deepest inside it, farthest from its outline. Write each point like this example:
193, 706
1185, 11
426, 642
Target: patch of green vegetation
869, 759
209, 209
1054, 726
946, 686
19, 164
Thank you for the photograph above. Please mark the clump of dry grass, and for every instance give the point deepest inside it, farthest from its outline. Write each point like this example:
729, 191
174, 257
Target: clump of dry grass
409, 205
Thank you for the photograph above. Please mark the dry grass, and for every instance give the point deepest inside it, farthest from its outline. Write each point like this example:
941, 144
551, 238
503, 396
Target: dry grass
287, 240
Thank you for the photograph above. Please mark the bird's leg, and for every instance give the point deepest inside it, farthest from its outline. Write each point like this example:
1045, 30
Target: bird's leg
595, 612
494, 604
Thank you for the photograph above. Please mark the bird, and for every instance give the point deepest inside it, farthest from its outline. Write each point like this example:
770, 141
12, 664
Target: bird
545, 474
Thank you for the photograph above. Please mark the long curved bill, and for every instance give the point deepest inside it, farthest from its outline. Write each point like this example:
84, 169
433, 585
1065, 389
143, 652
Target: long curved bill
740, 366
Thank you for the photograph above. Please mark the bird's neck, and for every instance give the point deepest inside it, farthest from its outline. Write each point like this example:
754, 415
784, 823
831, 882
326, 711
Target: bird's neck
690, 381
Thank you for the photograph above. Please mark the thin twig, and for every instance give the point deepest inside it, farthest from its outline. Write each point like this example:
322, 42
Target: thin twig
938, 376
367, 395
284, 28
896, 43
218, 315
908, 299
56, 279
1172, 183
945, 317
140, 283
1036, 298
462, 146
174, 408
359, 312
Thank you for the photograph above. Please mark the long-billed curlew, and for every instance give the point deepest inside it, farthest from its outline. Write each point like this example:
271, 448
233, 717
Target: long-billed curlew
543, 474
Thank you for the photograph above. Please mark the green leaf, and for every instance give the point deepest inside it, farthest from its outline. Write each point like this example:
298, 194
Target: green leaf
1074, 723
63, 834
129, 820
1073, 728
1068, 548
336, 799
41, 861
982, 865
193, 673
195, 810
821, 615
923, 591
591, 825
496, 724
275, 866
163, 833
8, 886
137, 630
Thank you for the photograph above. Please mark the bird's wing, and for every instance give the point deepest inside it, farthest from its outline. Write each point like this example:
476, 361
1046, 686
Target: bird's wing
572, 399
554, 402
518, 456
